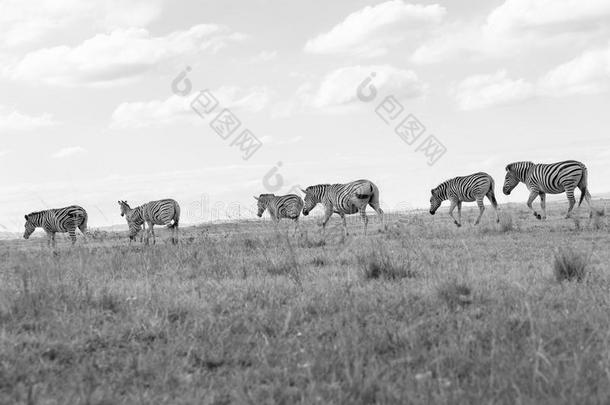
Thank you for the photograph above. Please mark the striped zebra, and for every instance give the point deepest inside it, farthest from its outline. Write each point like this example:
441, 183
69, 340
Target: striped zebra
343, 199
543, 179
57, 220
134, 218
465, 189
161, 212
285, 206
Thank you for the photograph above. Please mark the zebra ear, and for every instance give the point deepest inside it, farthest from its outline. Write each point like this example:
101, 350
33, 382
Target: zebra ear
507, 168
303, 191
26, 217
431, 191
256, 198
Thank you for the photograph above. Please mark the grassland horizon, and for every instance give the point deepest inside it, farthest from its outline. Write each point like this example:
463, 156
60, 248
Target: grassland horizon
242, 312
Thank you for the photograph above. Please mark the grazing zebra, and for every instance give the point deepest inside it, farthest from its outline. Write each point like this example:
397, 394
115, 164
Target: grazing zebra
161, 212
134, 218
57, 220
543, 179
343, 199
465, 189
285, 206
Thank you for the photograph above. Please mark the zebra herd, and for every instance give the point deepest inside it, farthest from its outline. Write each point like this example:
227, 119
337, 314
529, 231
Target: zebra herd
343, 199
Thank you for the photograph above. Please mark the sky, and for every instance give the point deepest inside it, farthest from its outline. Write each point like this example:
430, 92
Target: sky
129, 100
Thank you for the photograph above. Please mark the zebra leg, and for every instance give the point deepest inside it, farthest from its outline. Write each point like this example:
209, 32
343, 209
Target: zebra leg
530, 200
344, 221
481, 210
492, 198
451, 209
571, 199
83, 230
543, 204
296, 225
365, 219
72, 233
328, 212
459, 208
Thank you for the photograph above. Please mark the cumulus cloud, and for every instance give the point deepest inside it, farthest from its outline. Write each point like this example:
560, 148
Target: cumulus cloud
177, 110
13, 120
25, 22
588, 73
517, 15
117, 56
336, 92
68, 152
372, 30
517, 27
480, 91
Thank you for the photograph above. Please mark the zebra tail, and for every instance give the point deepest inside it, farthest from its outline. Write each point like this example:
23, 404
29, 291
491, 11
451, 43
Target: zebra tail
583, 184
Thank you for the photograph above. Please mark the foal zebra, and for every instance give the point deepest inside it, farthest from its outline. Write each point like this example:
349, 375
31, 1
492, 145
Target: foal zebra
465, 189
343, 199
554, 178
57, 220
134, 218
161, 212
285, 206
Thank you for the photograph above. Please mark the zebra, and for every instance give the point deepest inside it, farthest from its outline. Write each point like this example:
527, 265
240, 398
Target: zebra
343, 199
465, 189
134, 218
285, 206
554, 178
161, 212
60, 220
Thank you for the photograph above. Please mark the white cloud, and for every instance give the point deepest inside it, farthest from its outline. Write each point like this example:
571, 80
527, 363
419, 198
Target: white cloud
24, 22
481, 91
339, 87
13, 120
3, 153
117, 56
516, 15
372, 30
67, 152
177, 110
517, 27
588, 73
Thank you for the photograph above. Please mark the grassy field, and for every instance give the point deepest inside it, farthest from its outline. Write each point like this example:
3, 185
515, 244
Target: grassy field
418, 312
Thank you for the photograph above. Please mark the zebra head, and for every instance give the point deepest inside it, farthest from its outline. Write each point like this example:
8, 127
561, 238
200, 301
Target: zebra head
313, 195
30, 226
263, 202
125, 208
435, 200
515, 173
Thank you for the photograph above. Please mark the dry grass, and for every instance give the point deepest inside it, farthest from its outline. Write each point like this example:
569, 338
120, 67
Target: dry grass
419, 312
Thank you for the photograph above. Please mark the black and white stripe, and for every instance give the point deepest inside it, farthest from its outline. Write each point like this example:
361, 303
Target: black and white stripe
465, 189
162, 212
343, 199
284, 206
57, 220
554, 178
135, 219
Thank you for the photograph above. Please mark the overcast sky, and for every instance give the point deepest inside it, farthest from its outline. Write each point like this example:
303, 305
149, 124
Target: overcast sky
88, 113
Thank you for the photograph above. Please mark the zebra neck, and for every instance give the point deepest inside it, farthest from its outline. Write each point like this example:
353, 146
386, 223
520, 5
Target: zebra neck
36, 219
321, 191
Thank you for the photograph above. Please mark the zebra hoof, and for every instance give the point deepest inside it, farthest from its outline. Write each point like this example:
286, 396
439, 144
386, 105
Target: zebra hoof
457, 224
538, 216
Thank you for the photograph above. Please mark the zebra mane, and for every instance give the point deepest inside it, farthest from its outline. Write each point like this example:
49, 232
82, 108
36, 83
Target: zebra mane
35, 213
